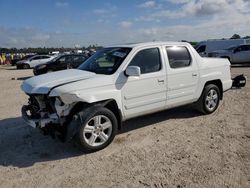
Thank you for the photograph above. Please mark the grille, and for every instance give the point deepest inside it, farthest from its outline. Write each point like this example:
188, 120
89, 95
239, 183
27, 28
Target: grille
41, 103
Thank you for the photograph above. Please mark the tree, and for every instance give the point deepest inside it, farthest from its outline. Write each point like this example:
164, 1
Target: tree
236, 36
246, 37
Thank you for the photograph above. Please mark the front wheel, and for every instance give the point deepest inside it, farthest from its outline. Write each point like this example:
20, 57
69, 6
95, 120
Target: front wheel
97, 128
209, 100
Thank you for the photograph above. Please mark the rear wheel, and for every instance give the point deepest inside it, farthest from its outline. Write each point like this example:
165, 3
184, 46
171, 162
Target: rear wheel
97, 128
209, 100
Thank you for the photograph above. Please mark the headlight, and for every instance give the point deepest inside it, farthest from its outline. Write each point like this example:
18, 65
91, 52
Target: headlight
42, 66
69, 98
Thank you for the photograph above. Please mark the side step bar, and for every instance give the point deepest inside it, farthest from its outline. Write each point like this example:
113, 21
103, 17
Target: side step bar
239, 81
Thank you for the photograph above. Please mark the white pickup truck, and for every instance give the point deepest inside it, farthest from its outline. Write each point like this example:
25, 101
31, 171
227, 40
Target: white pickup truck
117, 83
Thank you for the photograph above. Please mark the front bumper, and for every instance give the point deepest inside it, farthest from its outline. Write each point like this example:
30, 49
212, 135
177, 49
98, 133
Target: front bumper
42, 122
28, 120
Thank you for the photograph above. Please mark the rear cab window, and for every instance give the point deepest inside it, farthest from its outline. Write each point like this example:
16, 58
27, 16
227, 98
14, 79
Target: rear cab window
178, 56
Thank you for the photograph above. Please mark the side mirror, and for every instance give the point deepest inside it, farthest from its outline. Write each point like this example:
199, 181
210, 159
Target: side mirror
133, 71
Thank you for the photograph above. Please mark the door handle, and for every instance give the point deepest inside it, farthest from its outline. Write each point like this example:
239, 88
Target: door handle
160, 81
194, 74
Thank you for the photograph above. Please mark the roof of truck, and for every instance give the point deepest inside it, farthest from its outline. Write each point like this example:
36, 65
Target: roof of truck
145, 44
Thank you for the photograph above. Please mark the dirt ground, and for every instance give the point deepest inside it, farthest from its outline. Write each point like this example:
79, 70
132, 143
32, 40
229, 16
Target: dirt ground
175, 148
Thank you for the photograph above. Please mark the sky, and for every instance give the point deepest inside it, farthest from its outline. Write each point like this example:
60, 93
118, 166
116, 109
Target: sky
76, 23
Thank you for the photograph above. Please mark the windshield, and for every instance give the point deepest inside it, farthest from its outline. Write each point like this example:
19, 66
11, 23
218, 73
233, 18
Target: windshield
106, 60
55, 58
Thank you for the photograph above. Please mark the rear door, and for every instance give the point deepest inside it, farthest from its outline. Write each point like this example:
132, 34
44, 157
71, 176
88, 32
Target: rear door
182, 75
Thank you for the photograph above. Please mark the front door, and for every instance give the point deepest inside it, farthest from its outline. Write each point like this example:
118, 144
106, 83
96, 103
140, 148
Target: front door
146, 93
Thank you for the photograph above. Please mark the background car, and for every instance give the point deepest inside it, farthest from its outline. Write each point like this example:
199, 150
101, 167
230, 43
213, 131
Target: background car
236, 54
33, 61
60, 63
16, 59
206, 47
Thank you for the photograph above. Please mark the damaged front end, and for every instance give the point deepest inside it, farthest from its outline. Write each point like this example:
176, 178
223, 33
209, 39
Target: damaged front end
40, 111
47, 113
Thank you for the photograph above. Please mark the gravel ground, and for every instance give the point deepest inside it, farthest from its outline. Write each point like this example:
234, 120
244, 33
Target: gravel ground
175, 148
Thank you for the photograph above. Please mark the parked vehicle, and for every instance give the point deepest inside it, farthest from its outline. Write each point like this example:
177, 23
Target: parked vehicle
60, 63
33, 61
205, 47
236, 54
15, 60
117, 83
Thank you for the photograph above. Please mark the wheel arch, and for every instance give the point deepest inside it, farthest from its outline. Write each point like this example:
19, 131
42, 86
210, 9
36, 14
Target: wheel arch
110, 104
218, 83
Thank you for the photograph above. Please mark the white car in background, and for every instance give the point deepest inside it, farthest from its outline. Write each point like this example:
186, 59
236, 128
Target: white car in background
34, 61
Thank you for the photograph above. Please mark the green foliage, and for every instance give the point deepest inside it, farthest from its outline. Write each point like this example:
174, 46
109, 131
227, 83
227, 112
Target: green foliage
235, 36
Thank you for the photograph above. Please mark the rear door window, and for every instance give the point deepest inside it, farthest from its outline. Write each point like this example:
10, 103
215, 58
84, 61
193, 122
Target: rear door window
178, 56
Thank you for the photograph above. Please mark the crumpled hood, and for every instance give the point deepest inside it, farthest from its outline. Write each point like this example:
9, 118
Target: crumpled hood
44, 83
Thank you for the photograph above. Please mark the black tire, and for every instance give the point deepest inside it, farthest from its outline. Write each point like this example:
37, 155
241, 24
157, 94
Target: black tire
83, 118
202, 103
26, 66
